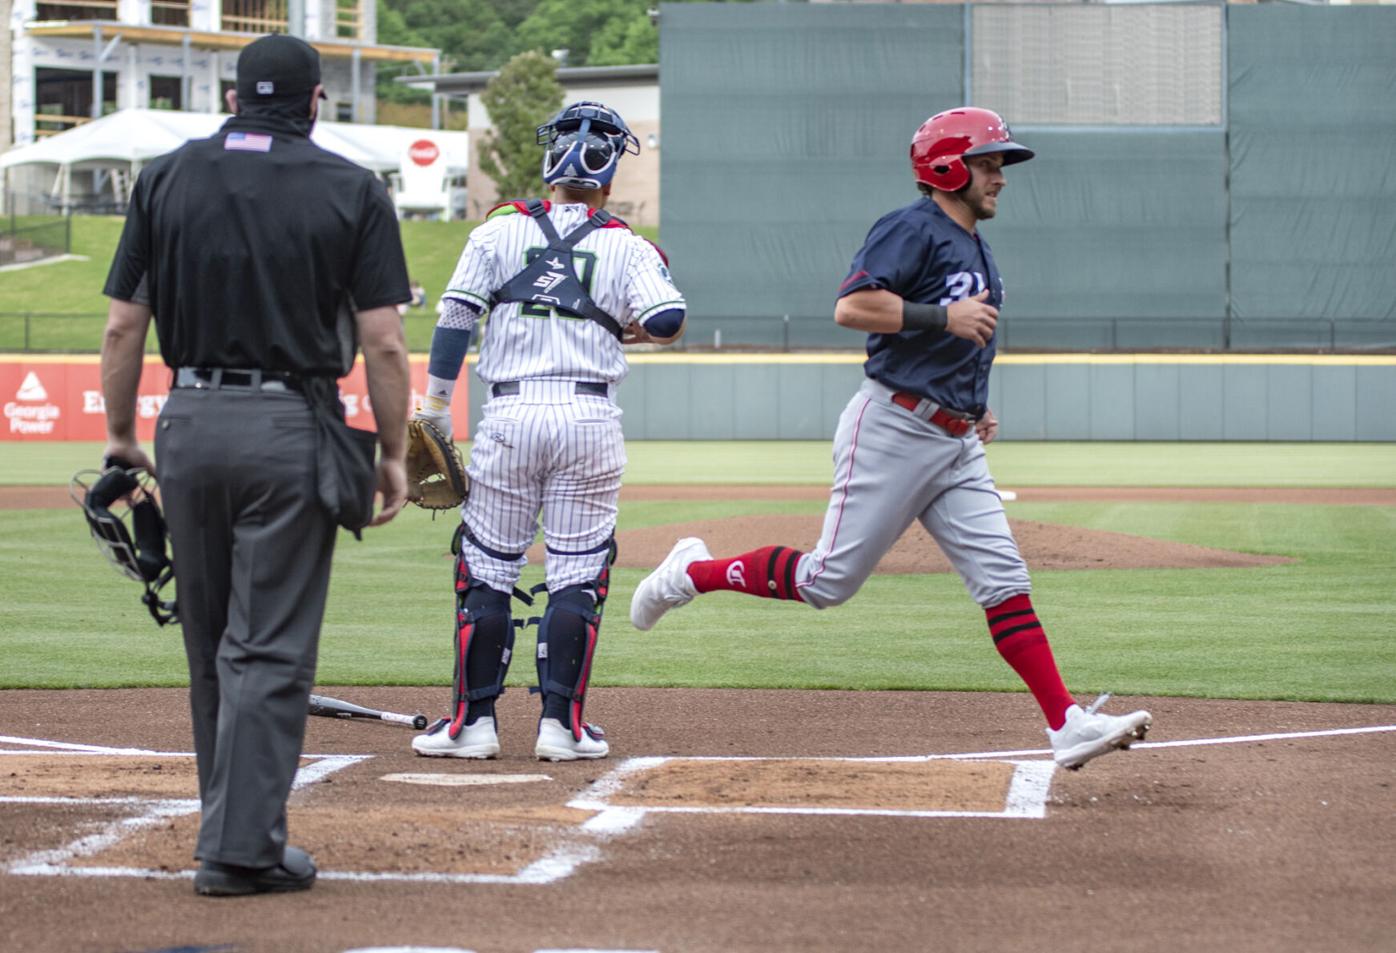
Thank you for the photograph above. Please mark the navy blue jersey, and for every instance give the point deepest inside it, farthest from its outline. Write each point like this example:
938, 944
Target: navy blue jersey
921, 254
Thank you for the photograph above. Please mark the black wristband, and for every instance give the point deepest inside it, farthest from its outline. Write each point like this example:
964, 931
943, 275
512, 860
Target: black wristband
923, 317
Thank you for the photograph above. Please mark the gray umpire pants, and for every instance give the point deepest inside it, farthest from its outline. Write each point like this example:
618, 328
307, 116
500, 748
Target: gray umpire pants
251, 550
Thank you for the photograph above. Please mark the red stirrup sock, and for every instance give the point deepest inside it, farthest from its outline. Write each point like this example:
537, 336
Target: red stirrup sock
1020, 640
768, 572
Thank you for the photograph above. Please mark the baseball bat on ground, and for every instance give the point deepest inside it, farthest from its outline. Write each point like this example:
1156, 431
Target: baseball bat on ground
328, 707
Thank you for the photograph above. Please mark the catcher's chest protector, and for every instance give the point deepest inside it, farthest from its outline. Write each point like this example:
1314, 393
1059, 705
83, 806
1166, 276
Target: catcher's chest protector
550, 279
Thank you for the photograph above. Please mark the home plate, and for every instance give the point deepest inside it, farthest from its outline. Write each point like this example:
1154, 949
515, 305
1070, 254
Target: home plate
1008, 496
464, 780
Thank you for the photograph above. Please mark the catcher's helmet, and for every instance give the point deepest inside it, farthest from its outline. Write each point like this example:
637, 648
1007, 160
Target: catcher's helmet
584, 145
938, 148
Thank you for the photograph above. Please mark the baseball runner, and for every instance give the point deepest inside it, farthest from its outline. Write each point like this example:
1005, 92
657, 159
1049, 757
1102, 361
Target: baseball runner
565, 285
910, 444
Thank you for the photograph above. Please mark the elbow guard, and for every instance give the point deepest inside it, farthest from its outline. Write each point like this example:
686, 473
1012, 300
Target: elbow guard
665, 324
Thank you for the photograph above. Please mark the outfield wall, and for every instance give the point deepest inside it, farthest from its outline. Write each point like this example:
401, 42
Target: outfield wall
59, 396
1035, 396
676, 396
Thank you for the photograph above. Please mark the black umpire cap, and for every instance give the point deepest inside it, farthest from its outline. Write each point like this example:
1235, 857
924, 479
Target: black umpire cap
276, 68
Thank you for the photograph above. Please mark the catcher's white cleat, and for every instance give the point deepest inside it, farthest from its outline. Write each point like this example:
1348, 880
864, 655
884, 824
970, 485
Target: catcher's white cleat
1086, 734
668, 587
478, 741
555, 742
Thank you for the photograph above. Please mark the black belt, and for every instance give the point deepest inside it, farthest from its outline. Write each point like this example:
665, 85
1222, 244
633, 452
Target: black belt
595, 388
237, 378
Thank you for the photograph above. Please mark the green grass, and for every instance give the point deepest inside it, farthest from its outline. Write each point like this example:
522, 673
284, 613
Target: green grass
1015, 464
69, 308
1317, 629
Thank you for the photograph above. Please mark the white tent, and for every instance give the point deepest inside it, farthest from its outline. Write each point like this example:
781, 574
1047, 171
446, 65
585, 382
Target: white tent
125, 140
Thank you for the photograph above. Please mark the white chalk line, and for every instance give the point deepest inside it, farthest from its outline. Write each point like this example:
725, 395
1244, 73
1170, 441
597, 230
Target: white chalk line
1027, 794
1026, 798
1028, 791
552, 867
75, 747
54, 862
1181, 743
556, 865
77, 801
51, 862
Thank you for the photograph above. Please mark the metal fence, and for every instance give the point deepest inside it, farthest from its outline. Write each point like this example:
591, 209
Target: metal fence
50, 332
1093, 334
25, 240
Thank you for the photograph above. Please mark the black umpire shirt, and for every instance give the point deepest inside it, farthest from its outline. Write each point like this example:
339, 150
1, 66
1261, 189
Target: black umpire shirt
255, 247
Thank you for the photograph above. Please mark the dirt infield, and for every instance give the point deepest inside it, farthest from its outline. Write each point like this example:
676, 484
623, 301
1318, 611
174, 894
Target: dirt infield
1044, 546
1266, 844
735, 820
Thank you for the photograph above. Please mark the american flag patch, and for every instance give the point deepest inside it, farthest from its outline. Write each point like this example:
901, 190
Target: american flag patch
248, 142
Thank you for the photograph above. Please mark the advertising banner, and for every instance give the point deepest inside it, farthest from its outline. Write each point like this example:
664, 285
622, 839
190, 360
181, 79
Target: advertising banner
46, 397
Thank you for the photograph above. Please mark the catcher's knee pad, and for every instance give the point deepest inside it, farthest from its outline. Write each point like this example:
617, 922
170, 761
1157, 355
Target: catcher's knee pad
567, 638
484, 644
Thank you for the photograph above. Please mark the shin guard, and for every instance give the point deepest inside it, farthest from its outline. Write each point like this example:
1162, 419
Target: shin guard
484, 644
567, 639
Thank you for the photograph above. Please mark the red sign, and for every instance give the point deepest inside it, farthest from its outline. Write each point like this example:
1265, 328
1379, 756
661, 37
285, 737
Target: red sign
423, 152
61, 399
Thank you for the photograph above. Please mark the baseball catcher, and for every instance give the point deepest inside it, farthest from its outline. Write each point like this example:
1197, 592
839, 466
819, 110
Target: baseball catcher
139, 551
436, 478
564, 285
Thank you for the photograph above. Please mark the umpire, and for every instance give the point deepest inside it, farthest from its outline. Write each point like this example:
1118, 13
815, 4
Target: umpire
265, 261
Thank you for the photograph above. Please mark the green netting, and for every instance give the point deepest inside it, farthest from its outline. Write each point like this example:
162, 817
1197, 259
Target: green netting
786, 130
1312, 97
1117, 234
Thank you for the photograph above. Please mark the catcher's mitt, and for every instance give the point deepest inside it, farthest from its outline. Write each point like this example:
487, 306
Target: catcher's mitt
436, 477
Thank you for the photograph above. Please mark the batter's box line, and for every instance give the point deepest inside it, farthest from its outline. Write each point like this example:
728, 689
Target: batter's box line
55, 863
557, 864
1026, 798
1179, 743
49, 746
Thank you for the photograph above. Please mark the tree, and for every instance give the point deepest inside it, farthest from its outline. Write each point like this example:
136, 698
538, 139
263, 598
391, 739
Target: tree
624, 41
584, 28
522, 97
471, 34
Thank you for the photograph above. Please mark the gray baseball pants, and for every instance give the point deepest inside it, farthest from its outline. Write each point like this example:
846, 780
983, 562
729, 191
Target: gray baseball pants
892, 466
251, 549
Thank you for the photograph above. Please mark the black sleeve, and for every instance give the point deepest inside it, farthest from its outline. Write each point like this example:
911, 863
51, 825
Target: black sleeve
379, 276
126, 281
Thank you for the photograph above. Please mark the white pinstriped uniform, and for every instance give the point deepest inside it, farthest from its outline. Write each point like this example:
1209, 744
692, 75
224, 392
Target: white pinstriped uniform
548, 449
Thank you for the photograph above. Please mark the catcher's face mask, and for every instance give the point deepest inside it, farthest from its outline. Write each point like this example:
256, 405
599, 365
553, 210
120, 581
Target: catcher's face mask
137, 552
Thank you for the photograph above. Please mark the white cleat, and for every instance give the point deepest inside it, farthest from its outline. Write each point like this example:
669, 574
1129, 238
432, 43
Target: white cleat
1086, 734
479, 741
668, 587
555, 742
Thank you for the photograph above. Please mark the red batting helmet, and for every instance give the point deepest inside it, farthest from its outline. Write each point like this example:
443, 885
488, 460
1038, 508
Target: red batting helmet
938, 148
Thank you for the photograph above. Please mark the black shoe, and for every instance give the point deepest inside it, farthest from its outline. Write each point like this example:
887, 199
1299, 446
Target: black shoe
295, 872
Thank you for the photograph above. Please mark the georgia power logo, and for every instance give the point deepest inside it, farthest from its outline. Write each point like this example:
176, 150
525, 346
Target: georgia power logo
30, 412
423, 152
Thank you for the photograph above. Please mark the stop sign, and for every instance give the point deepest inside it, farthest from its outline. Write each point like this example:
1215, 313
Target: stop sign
423, 152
